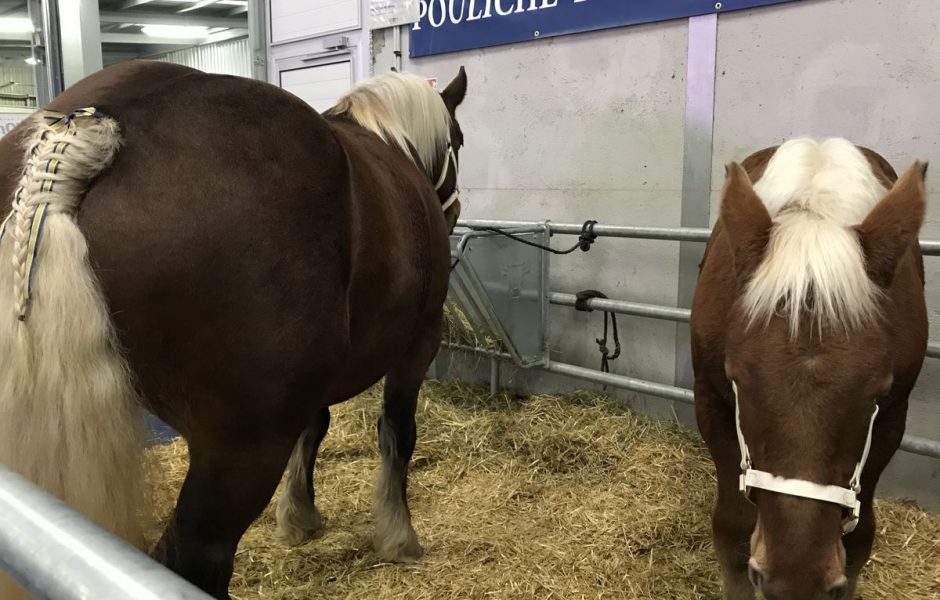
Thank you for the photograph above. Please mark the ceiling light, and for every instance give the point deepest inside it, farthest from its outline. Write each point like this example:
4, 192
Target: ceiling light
15, 25
182, 32
32, 61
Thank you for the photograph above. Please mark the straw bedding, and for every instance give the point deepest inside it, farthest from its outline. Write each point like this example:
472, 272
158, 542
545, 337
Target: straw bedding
550, 497
459, 330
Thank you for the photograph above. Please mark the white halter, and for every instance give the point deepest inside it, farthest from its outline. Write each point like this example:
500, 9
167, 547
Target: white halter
448, 160
845, 497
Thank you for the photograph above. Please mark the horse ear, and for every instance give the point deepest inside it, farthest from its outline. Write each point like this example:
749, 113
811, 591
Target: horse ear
893, 225
455, 91
745, 220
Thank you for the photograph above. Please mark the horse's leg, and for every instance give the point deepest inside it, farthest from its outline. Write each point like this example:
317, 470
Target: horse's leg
858, 546
395, 538
731, 530
734, 517
298, 519
226, 488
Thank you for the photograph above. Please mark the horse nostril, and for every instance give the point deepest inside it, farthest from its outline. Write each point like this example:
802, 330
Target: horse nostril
757, 580
838, 592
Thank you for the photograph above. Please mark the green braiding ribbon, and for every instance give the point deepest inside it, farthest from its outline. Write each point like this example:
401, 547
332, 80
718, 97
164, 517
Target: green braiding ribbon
57, 122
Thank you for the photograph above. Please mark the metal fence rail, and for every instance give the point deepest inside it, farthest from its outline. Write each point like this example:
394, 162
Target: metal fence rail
55, 553
676, 234
912, 444
622, 307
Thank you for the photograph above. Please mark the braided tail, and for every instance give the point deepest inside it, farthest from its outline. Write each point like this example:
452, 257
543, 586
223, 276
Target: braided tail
69, 417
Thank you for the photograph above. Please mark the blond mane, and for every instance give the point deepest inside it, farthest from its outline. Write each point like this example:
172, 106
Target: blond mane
404, 110
814, 266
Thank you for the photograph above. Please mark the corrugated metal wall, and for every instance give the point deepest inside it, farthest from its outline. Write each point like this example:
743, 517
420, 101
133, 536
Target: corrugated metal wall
227, 58
16, 77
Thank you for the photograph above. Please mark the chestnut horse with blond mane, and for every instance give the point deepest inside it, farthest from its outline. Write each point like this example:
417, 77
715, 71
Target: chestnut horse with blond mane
213, 249
809, 329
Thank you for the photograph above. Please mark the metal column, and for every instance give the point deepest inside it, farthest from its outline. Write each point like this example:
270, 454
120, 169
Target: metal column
258, 39
696, 178
47, 72
80, 25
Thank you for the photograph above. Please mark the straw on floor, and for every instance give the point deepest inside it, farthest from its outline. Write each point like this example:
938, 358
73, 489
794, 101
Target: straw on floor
561, 497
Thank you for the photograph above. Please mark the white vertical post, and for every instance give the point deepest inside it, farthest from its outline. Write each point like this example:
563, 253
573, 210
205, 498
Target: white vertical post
696, 179
80, 27
258, 39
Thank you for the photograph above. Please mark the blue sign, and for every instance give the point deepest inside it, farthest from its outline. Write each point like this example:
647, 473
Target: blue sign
452, 25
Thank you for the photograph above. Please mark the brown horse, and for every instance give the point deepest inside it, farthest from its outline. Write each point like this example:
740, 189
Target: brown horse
213, 247
809, 329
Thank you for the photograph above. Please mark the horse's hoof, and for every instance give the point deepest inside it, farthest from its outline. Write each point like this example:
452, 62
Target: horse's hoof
407, 550
295, 528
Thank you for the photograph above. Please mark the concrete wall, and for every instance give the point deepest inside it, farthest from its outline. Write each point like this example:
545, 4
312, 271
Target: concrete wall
590, 126
866, 70
574, 128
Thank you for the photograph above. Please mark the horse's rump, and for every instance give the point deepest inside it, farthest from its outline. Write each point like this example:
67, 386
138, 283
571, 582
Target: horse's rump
231, 223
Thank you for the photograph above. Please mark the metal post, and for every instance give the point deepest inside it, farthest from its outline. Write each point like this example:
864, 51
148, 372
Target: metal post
80, 25
258, 39
396, 46
494, 375
47, 72
696, 178
56, 554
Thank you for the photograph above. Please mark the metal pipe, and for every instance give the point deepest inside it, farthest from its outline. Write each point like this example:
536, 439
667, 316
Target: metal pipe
477, 350
910, 443
56, 554
678, 234
686, 234
656, 311
625, 383
930, 247
933, 349
396, 46
920, 445
494, 375
636, 309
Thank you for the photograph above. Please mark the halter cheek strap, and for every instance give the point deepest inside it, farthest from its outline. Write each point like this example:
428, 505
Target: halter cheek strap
846, 497
449, 160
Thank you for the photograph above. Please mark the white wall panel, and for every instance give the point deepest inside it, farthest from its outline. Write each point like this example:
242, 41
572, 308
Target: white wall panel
225, 58
320, 86
297, 19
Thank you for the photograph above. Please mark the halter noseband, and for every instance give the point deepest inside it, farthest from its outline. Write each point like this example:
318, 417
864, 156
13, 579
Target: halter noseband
845, 497
449, 159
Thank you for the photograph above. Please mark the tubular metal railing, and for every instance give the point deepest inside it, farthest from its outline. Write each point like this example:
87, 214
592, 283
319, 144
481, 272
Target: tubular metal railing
55, 553
910, 443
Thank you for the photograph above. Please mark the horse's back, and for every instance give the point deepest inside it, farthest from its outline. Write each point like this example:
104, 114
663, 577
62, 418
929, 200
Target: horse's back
399, 258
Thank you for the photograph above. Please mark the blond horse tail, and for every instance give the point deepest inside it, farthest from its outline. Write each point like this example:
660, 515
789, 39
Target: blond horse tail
69, 416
